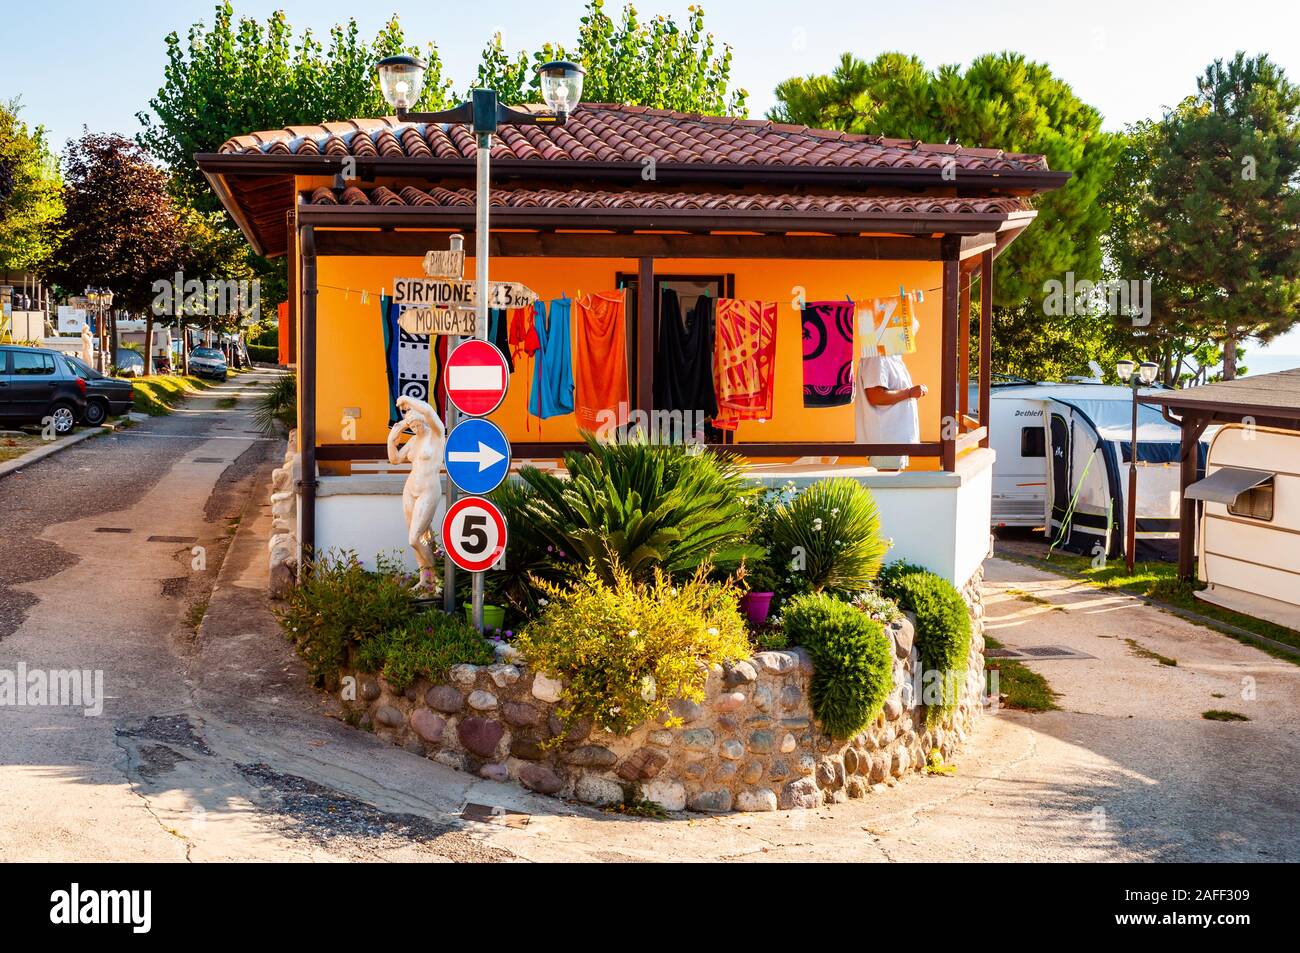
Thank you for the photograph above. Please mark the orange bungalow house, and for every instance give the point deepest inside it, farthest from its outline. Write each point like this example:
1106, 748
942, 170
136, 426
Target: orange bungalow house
641, 200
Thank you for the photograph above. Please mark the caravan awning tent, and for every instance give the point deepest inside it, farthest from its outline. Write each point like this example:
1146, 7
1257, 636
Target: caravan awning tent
1089, 440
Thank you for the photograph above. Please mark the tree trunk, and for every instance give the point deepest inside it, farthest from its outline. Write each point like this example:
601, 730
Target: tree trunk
1230, 355
148, 342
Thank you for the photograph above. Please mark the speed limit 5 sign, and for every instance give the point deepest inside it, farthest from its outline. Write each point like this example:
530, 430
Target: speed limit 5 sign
474, 534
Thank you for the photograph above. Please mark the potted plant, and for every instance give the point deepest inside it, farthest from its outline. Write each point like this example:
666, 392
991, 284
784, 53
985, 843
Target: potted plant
757, 602
494, 617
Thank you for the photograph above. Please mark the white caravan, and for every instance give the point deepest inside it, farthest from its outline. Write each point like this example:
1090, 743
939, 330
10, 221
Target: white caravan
1084, 431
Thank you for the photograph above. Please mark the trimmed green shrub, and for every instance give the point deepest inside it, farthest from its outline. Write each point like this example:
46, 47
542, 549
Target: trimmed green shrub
644, 508
626, 650
943, 634
339, 606
425, 647
261, 354
853, 661
827, 538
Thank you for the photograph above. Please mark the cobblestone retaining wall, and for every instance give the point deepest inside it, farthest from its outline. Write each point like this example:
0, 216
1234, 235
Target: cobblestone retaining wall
751, 745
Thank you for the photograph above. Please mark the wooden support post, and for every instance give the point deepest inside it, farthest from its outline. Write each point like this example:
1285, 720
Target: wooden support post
963, 346
645, 335
1188, 461
986, 344
948, 422
307, 384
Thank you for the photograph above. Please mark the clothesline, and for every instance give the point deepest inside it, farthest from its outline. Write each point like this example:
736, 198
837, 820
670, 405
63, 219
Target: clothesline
366, 293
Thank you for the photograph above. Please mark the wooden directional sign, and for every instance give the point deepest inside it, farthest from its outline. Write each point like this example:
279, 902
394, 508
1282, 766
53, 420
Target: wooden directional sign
445, 264
435, 321
433, 293
457, 294
474, 534
509, 295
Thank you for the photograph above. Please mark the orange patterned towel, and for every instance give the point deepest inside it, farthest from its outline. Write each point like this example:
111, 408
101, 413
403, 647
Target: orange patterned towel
744, 360
600, 361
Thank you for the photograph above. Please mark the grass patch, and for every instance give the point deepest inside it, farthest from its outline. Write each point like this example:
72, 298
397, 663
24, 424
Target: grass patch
13, 447
1218, 714
1033, 598
1159, 580
1025, 689
161, 394
194, 615
226, 403
1141, 651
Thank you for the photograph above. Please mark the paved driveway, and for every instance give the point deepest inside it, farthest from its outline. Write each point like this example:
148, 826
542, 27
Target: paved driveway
211, 746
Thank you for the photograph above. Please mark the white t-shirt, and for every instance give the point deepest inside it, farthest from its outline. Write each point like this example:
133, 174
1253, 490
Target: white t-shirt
895, 423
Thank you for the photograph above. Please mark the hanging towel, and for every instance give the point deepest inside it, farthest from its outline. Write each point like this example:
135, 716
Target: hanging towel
409, 360
600, 362
828, 354
684, 359
552, 394
499, 335
521, 331
744, 361
886, 327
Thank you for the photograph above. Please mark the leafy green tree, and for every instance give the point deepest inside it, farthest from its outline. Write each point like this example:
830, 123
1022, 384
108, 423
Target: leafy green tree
121, 227
31, 194
242, 75
657, 63
1223, 203
1000, 101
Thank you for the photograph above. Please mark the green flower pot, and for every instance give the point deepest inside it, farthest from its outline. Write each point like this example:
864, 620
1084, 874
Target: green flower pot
494, 617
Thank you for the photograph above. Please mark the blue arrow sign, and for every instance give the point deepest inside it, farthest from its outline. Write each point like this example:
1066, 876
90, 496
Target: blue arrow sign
477, 456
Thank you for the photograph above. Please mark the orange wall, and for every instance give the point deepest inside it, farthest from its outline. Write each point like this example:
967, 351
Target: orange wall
351, 370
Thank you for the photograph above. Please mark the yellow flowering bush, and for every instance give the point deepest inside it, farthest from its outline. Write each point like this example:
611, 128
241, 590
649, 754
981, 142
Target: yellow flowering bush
626, 650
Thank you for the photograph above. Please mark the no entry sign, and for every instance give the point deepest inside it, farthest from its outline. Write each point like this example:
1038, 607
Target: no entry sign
474, 534
476, 378
478, 456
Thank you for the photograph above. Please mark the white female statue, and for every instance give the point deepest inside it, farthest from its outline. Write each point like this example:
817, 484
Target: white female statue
87, 346
423, 492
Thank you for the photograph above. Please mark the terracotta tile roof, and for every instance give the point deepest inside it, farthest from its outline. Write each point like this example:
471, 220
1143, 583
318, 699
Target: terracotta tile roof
439, 197
614, 133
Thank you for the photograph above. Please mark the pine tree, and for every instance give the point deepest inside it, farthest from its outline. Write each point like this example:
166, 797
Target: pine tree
1224, 205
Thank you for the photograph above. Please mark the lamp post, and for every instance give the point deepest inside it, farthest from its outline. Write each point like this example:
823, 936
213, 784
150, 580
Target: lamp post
1145, 377
401, 80
102, 299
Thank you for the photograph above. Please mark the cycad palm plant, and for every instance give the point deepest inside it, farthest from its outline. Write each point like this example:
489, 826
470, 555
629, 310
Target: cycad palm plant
827, 538
643, 507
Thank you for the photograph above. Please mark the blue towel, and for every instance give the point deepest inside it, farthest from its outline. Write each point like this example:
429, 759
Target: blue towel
552, 394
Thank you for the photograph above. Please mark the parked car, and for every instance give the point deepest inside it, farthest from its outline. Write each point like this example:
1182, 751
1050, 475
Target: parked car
37, 384
208, 362
104, 395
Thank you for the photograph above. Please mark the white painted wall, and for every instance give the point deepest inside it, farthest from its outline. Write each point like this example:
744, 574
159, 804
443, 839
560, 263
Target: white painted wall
936, 520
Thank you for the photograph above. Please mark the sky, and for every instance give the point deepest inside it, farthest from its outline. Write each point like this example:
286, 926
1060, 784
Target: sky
78, 62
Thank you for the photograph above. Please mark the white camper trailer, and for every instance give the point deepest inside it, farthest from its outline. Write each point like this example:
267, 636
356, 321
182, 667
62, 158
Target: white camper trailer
1250, 523
1062, 463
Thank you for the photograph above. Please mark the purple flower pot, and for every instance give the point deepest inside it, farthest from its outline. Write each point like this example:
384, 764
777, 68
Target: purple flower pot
757, 606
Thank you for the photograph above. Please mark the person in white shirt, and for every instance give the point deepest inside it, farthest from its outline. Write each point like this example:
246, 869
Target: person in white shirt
884, 406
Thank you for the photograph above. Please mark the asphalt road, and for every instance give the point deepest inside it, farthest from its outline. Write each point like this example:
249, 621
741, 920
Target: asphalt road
210, 745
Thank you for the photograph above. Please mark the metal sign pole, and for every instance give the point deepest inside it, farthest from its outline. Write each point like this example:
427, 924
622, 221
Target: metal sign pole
457, 243
481, 279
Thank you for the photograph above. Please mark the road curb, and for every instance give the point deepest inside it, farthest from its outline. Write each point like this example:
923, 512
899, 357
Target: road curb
56, 446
